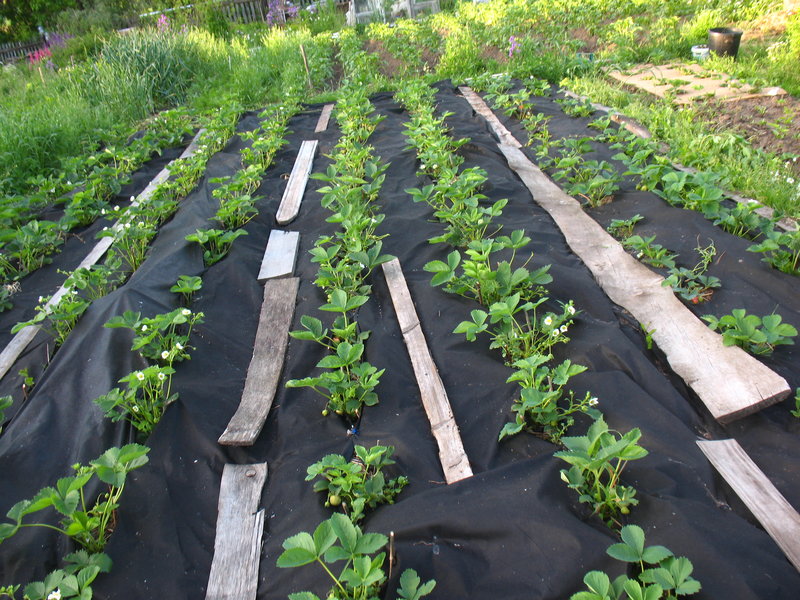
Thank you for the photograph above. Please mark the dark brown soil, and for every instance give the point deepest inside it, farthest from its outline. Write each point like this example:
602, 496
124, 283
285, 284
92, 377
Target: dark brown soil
389, 65
769, 123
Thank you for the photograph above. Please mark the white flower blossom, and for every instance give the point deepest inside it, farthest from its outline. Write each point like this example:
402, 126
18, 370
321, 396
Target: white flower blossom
186, 312
593, 401
571, 309
116, 208
165, 355
161, 377
140, 224
40, 299
548, 320
564, 329
140, 376
144, 328
556, 332
54, 595
135, 409
179, 346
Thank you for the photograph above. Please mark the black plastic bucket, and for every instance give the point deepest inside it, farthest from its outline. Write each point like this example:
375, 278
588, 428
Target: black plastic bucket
724, 41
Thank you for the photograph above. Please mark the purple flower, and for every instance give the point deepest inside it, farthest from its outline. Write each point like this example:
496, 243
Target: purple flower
514, 48
163, 22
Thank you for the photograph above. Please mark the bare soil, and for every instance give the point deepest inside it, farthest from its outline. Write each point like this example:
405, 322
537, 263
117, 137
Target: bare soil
769, 123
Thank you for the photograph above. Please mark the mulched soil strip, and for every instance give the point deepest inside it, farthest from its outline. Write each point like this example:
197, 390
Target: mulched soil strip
513, 530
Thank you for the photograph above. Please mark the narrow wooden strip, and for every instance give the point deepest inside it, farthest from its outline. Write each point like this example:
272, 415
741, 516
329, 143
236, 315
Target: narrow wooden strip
280, 255
240, 527
264, 371
483, 110
455, 463
730, 382
324, 117
767, 504
25, 336
293, 195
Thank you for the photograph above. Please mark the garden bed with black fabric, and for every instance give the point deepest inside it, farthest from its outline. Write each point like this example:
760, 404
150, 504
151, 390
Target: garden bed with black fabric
514, 529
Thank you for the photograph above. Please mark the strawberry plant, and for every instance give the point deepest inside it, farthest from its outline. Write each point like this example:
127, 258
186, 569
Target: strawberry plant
57, 319
653, 254
623, 228
186, 286
87, 524
665, 576
597, 460
781, 250
216, 243
757, 335
73, 581
362, 576
357, 485
541, 406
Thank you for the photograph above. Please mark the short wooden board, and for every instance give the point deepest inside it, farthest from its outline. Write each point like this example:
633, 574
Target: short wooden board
265, 368
690, 83
25, 336
293, 195
730, 382
324, 118
455, 463
767, 504
240, 527
280, 255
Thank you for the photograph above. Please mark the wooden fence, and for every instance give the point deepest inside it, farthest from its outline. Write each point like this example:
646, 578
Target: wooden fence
16, 50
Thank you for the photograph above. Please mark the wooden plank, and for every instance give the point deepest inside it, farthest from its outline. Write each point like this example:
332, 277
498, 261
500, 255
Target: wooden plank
767, 504
324, 117
480, 107
264, 371
280, 255
693, 83
293, 195
455, 463
240, 527
25, 336
730, 382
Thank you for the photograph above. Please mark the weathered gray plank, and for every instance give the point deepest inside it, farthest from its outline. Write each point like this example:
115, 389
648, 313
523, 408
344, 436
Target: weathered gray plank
280, 255
25, 336
264, 371
240, 526
767, 504
499, 129
293, 195
455, 463
324, 117
730, 382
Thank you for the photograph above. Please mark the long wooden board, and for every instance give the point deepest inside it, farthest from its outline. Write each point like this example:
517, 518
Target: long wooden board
293, 195
730, 382
767, 504
455, 463
280, 255
264, 371
25, 336
240, 526
324, 117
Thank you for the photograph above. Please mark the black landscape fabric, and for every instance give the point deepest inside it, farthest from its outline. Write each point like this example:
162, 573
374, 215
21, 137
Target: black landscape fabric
513, 530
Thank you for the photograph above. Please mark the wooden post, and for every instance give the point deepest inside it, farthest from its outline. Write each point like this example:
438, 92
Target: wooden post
730, 382
455, 463
240, 526
767, 504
